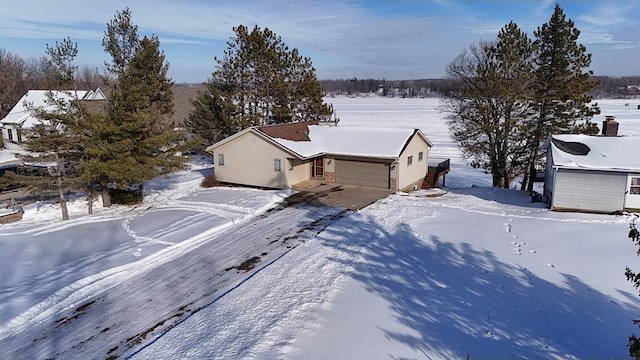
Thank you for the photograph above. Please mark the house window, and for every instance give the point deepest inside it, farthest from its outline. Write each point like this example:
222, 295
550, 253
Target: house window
276, 165
290, 164
410, 160
19, 133
10, 134
634, 189
420, 156
220, 159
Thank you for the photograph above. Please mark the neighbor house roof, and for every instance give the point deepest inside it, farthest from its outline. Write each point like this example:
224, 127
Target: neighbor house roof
309, 139
22, 115
587, 152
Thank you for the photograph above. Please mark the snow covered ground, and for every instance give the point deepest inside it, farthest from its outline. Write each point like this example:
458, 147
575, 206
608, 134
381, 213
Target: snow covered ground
230, 273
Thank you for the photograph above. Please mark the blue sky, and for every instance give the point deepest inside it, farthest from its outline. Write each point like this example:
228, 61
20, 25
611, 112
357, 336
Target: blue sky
394, 40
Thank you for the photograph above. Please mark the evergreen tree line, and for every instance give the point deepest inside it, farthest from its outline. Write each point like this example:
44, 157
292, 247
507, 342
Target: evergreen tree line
258, 81
116, 148
514, 92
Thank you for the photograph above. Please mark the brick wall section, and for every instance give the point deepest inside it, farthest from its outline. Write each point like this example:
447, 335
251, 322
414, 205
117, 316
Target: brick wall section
393, 183
329, 177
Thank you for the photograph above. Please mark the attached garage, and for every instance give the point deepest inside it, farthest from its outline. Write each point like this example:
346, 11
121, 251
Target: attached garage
373, 174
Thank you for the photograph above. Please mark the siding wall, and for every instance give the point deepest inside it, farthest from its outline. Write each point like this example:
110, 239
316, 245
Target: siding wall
548, 176
597, 191
249, 160
409, 175
301, 171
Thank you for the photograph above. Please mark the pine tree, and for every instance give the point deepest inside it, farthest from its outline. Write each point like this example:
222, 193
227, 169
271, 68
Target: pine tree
52, 142
487, 114
121, 41
562, 88
134, 140
211, 117
258, 81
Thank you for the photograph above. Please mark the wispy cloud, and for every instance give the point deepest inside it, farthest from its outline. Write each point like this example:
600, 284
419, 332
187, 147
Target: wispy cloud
611, 13
410, 38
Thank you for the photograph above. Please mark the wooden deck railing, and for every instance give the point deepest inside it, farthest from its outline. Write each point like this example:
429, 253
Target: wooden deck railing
437, 168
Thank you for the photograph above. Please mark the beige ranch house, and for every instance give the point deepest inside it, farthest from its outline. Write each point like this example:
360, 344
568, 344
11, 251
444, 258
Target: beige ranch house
280, 156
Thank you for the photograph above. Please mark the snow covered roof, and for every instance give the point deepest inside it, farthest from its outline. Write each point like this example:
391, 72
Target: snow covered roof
310, 139
37, 99
595, 152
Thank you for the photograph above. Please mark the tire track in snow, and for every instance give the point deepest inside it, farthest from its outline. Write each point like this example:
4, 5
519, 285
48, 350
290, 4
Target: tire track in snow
68, 296
193, 278
315, 228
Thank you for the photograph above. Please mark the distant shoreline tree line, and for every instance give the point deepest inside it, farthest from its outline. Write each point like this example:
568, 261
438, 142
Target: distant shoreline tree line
606, 87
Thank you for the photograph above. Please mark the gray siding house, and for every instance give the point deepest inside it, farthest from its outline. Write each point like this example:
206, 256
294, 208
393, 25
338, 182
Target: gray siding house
592, 173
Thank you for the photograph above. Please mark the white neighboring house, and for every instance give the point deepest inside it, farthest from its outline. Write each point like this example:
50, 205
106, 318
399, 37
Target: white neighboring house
593, 173
279, 156
21, 117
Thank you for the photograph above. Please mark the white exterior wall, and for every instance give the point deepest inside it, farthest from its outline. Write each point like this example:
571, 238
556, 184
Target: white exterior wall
582, 190
249, 160
10, 144
549, 173
301, 171
410, 175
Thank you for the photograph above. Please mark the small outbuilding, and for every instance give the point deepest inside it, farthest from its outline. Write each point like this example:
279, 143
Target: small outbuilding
280, 156
593, 173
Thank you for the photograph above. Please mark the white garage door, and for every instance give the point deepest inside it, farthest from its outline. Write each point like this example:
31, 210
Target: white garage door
362, 173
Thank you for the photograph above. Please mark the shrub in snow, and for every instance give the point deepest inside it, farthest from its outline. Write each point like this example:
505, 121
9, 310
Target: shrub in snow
209, 181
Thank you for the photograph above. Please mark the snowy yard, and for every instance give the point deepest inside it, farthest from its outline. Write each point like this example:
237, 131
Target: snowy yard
197, 273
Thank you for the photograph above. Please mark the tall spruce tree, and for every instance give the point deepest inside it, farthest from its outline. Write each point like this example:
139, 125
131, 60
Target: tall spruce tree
562, 87
258, 81
134, 139
486, 115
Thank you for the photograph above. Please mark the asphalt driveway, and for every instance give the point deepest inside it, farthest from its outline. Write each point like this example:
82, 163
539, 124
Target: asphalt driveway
352, 197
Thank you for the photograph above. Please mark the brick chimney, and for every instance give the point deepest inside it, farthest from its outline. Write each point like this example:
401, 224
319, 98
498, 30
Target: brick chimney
610, 126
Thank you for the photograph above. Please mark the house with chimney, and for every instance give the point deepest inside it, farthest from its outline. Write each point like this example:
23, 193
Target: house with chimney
593, 173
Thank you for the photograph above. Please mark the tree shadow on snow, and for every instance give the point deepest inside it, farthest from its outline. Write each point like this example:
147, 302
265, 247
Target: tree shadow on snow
463, 300
502, 196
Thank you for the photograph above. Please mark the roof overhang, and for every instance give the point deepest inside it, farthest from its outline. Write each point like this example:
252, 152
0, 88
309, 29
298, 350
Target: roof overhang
294, 154
253, 130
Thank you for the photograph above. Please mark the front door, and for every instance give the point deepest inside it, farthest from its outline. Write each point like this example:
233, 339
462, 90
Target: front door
318, 168
632, 197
